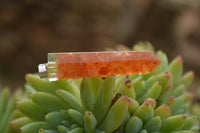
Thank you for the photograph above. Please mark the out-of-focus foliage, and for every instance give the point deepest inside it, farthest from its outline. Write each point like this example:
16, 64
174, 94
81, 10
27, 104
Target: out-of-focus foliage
7, 107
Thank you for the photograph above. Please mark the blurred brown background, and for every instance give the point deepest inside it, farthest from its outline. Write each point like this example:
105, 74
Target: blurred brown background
29, 29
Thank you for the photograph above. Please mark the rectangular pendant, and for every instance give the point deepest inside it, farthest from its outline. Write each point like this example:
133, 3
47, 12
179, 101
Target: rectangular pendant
62, 66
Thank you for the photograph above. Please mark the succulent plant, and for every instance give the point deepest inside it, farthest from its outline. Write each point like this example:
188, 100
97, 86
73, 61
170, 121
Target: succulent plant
155, 102
7, 107
195, 108
196, 111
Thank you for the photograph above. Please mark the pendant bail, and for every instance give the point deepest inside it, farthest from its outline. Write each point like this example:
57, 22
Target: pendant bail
42, 69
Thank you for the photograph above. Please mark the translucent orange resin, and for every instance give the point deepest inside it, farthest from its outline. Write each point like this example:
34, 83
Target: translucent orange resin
99, 64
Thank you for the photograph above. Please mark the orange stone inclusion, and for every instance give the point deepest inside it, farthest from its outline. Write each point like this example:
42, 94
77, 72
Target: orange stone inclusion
101, 64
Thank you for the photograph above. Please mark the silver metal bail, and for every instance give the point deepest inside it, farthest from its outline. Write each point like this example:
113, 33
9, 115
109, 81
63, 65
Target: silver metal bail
42, 69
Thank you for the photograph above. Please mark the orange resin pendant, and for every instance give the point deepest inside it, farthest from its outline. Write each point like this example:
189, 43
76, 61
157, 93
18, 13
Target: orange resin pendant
63, 66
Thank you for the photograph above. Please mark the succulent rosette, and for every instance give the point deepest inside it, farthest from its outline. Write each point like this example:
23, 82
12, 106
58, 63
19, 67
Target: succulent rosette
147, 103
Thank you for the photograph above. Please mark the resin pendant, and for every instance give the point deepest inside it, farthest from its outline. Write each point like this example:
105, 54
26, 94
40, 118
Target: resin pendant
62, 66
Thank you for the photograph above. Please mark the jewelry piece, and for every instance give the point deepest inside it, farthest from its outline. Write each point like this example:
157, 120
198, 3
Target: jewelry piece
62, 66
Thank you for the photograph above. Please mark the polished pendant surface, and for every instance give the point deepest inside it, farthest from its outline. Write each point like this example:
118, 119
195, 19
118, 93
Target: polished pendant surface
62, 66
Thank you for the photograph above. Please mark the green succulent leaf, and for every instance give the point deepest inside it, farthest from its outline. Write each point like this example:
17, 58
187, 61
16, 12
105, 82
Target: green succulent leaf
115, 115
104, 98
